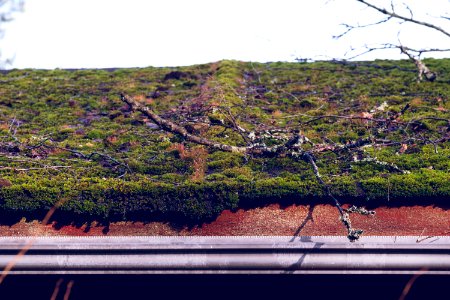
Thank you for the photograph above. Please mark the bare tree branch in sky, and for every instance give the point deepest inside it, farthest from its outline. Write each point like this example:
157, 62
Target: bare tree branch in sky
392, 14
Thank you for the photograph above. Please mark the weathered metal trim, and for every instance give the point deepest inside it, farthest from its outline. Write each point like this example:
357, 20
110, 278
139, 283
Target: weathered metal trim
219, 255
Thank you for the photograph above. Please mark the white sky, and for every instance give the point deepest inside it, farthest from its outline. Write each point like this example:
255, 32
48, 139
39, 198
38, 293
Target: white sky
139, 33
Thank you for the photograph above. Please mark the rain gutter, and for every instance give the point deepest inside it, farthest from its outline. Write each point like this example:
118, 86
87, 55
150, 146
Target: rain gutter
226, 255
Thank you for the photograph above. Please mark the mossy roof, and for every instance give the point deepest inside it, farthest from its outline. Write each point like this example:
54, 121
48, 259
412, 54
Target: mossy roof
66, 136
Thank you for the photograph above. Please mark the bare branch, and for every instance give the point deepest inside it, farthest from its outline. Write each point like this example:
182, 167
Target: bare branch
421, 67
358, 26
352, 234
389, 46
424, 50
411, 14
368, 49
30, 169
172, 127
410, 19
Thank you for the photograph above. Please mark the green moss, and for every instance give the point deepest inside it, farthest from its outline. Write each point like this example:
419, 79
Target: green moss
78, 115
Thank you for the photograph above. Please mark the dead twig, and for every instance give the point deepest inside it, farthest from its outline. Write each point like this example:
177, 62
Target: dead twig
30, 169
352, 234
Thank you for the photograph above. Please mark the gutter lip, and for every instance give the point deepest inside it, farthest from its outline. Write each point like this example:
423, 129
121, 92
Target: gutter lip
105, 255
222, 242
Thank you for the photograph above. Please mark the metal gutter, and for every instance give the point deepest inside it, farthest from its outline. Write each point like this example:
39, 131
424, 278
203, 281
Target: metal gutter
226, 254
